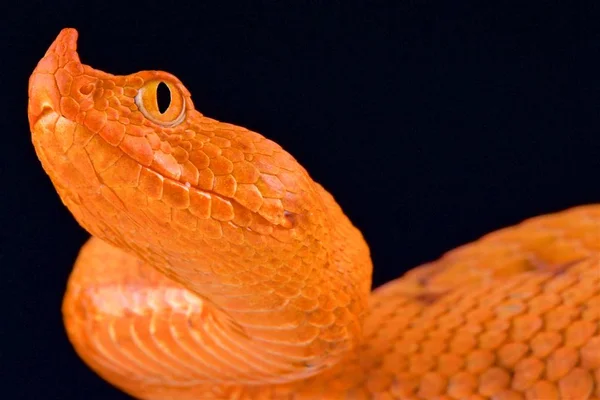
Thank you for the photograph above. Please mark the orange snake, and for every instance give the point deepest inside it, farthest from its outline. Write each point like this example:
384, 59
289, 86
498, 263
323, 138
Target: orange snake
219, 269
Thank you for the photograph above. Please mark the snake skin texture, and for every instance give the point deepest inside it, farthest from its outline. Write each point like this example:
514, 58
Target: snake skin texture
218, 269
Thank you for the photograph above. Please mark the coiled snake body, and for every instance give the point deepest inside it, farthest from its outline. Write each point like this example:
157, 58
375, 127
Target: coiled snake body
218, 268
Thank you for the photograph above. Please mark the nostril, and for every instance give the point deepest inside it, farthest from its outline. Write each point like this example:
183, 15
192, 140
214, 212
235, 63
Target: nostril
86, 89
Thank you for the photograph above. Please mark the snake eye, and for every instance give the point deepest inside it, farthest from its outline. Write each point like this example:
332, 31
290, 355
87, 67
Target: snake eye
147, 102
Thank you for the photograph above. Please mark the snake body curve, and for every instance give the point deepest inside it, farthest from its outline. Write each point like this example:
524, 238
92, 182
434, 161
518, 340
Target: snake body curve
218, 268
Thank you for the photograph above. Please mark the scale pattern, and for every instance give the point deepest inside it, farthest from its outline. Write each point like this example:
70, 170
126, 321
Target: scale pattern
219, 269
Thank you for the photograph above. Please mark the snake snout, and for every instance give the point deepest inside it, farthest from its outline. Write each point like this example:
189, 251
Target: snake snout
44, 90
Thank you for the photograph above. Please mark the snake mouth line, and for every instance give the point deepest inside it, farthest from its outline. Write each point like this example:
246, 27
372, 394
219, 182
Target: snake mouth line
289, 216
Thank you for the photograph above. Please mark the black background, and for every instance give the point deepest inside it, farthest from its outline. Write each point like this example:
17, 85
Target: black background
431, 123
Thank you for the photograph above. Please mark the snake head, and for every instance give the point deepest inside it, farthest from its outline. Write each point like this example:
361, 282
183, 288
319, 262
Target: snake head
144, 178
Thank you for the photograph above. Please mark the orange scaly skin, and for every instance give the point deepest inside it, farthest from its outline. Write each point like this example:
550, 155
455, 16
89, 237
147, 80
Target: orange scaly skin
219, 269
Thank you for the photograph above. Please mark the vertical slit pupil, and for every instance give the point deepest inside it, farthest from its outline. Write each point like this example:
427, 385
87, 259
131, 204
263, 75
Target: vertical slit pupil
163, 97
